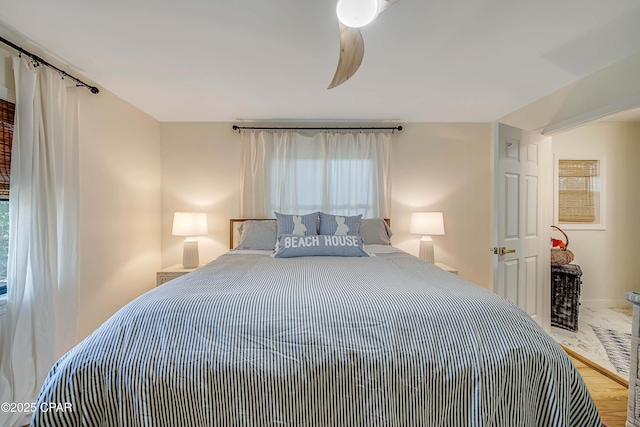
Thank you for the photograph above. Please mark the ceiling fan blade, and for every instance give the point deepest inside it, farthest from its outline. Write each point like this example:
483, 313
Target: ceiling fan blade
351, 54
386, 4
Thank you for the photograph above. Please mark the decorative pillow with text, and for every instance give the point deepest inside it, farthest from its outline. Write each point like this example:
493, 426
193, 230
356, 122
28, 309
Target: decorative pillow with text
291, 246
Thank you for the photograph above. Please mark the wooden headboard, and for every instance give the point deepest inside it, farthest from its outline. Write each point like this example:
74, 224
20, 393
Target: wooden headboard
234, 223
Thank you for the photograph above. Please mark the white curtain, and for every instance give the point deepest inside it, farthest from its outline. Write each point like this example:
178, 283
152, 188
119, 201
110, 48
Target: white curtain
40, 322
340, 173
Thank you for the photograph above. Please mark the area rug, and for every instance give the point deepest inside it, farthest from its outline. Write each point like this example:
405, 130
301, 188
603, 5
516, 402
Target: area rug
618, 347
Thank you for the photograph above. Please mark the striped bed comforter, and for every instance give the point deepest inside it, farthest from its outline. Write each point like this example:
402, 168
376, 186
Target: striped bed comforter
254, 341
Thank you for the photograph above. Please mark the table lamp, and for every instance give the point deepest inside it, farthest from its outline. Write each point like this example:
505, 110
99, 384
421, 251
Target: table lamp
190, 224
428, 224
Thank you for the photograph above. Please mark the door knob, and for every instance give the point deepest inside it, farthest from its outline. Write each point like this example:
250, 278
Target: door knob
502, 251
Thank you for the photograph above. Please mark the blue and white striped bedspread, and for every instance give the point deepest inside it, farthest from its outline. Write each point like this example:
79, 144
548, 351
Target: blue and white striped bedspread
254, 341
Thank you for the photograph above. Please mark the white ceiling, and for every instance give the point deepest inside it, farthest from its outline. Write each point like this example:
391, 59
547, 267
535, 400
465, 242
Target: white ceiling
438, 60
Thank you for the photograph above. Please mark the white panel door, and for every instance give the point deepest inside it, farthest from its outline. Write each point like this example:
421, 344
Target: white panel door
521, 267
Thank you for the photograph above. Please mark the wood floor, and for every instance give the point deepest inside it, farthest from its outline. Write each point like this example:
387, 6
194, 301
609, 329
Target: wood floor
609, 391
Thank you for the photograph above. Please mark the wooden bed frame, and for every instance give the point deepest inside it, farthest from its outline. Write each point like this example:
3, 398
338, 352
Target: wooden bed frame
234, 223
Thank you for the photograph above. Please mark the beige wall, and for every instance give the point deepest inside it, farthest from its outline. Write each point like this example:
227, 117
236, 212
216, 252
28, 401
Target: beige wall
119, 203
200, 173
610, 259
119, 206
444, 167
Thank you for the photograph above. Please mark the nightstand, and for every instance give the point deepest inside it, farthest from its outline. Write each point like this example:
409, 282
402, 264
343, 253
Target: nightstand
445, 267
170, 273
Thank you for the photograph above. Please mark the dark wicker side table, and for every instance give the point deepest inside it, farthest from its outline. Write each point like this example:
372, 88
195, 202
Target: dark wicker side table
565, 296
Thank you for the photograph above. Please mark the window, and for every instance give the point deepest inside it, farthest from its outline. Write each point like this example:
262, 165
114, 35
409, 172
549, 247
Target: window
580, 193
7, 110
288, 172
311, 184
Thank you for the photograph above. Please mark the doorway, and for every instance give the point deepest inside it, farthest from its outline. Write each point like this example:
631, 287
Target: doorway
609, 255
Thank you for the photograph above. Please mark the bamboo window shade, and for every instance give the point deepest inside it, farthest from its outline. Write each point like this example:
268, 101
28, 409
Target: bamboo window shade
577, 190
7, 112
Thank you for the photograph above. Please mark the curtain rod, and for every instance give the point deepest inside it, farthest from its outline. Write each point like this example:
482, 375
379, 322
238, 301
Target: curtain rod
41, 61
239, 128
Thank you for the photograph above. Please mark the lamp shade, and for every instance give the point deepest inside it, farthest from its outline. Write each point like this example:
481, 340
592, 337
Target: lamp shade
427, 223
189, 224
357, 13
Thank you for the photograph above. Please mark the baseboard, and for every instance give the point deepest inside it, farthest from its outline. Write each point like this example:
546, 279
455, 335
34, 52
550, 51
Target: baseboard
605, 303
607, 373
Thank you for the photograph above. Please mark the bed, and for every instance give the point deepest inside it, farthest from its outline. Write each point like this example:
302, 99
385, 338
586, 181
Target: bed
254, 340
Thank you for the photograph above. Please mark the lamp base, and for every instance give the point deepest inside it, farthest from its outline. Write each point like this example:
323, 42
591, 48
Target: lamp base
426, 250
190, 255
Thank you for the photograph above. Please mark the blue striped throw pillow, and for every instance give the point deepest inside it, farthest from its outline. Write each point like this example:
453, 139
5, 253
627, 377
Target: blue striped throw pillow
339, 225
301, 225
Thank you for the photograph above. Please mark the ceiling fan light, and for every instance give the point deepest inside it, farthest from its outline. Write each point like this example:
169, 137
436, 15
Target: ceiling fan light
357, 13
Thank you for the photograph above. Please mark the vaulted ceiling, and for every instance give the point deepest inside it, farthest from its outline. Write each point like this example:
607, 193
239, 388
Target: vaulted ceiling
438, 60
